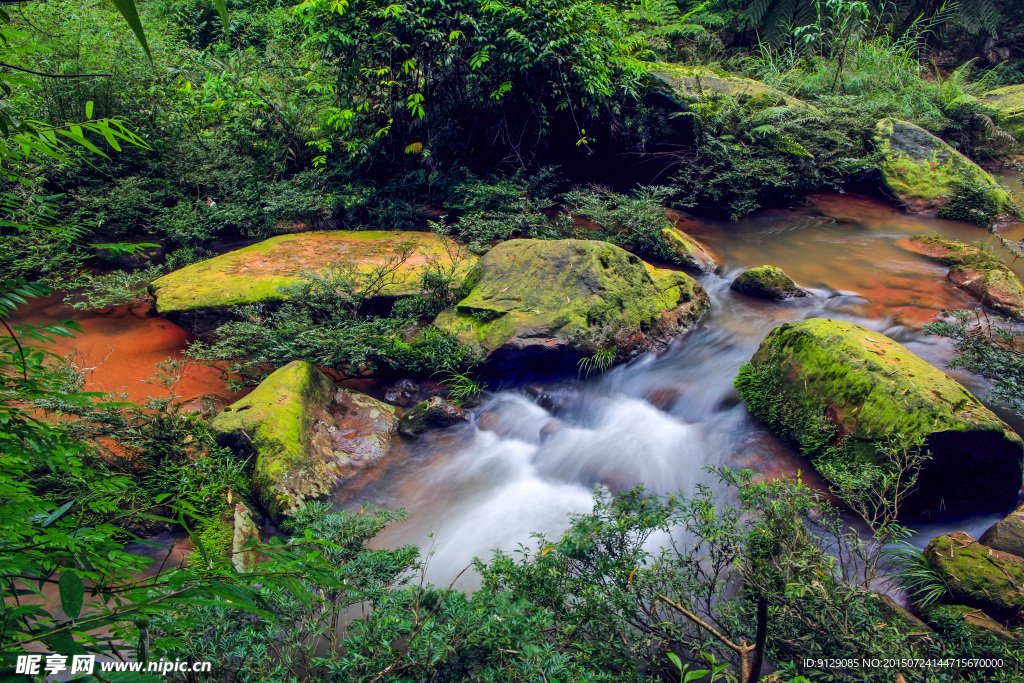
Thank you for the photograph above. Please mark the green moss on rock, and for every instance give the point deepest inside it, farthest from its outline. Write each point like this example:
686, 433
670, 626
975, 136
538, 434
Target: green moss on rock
257, 273
977, 575
307, 436
692, 254
539, 304
921, 170
1009, 102
837, 392
686, 83
975, 271
767, 282
434, 413
970, 632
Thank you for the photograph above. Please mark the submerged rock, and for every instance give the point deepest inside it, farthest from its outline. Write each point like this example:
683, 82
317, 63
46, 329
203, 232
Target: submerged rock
691, 253
543, 305
921, 170
434, 413
841, 393
978, 576
1007, 534
767, 282
1009, 103
196, 296
307, 436
977, 272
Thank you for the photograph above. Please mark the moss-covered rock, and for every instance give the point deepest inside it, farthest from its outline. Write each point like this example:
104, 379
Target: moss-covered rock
691, 253
978, 576
921, 170
898, 617
541, 306
434, 413
969, 625
975, 271
1007, 534
767, 282
195, 296
838, 392
307, 436
1009, 102
684, 84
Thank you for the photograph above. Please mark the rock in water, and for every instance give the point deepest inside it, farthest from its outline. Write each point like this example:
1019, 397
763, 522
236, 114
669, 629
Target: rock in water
1007, 534
197, 296
434, 413
691, 253
307, 436
977, 272
838, 392
978, 576
1009, 103
767, 282
539, 306
921, 170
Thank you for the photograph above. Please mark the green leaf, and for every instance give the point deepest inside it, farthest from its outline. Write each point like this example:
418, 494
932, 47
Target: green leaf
56, 514
131, 15
88, 109
222, 8
72, 592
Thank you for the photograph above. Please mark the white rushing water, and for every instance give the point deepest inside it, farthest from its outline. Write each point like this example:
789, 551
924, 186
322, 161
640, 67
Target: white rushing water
523, 465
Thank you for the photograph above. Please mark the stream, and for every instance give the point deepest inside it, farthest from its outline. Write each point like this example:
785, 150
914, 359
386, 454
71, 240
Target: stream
523, 465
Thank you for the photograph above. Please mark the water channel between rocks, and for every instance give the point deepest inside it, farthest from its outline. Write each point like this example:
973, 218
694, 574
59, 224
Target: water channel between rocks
519, 468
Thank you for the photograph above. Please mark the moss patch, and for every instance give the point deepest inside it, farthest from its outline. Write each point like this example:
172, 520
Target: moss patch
687, 83
767, 282
1009, 102
921, 170
978, 576
528, 297
836, 391
975, 271
256, 273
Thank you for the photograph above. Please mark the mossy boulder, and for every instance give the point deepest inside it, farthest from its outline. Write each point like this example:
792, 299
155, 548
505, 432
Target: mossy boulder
1009, 102
898, 617
1007, 534
767, 282
978, 576
434, 413
839, 392
539, 306
969, 625
977, 272
196, 296
684, 84
307, 436
692, 254
921, 171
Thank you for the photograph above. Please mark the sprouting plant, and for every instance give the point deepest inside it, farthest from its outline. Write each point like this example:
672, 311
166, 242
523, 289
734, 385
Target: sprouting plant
600, 361
686, 675
916, 575
461, 387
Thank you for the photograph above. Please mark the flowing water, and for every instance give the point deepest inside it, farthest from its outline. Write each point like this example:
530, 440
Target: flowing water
523, 465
